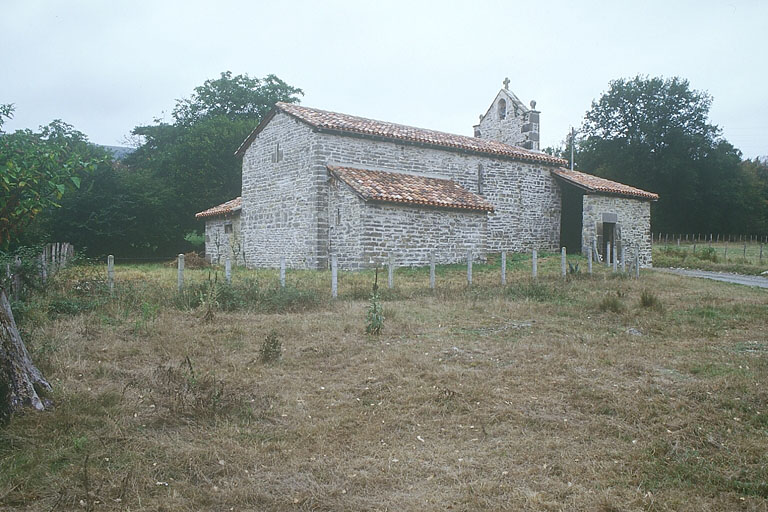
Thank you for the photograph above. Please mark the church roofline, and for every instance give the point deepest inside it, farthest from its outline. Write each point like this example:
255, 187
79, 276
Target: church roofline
409, 189
348, 125
597, 185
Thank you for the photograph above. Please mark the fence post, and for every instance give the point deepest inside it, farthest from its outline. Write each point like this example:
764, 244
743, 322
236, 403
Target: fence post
43, 270
391, 271
761, 254
111, 272
228, 269
562, 262
637, 263
282, 271
503, 268
745, 250
334, 276
623, 260
608, 253
432, 270
694, 248
534, 265
469, 267
615, 257
725, 253
181, 272
589, 260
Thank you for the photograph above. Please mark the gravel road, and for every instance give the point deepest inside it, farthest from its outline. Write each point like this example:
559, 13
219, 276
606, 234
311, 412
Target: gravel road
758, 281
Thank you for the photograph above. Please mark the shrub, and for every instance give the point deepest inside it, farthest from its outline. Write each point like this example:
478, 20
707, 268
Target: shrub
611, 303
708, 254
272, 348
374, 318
649, 300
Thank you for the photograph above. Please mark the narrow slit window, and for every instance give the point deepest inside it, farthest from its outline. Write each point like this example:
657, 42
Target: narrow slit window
502, 109
227, 228
480, 179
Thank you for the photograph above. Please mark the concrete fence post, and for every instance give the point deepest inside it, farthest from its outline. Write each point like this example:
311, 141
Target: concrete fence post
228, 270
589, 260
563, 271
111, 273
761, 254
615, 257
637, 263
595, 254
469, 267
503, 268
181, 272
282, 271
334, 276
432, 270
623, 260
391, 271
534, 264
608, 253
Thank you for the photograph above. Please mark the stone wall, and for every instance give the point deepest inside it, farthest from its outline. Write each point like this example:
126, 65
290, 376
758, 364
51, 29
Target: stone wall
287, 203
219, 243
633, 224
526, 195
366, 233
279, 196
518, 127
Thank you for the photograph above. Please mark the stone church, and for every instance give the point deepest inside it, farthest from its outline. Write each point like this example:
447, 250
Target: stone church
319, 183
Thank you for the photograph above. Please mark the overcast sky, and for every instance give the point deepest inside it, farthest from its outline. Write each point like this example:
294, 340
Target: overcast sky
108, 66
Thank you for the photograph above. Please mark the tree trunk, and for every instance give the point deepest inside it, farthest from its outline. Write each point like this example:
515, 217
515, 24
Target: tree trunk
23, 379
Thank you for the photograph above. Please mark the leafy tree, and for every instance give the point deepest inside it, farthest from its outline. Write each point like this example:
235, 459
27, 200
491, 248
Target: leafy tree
193, 158
36, 169
654, 133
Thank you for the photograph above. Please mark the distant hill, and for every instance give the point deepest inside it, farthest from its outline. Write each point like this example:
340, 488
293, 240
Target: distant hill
119, 152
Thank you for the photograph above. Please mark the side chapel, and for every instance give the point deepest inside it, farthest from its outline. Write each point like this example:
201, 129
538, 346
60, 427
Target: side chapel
319, 183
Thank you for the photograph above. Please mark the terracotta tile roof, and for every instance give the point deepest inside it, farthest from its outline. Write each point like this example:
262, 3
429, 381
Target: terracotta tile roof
394, 187
595, 184
230, 206
333, 121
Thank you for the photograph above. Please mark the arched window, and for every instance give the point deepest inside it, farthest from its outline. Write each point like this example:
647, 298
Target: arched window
502, 109
480, 178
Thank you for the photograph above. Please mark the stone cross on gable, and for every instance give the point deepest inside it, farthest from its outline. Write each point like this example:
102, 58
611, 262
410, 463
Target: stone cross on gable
506, 83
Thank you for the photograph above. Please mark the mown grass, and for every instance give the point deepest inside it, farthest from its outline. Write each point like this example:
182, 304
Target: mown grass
532, 396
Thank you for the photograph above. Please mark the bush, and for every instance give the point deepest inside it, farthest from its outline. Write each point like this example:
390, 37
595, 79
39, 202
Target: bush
649, 300
611, 303
708, 254
374, 318
272, 348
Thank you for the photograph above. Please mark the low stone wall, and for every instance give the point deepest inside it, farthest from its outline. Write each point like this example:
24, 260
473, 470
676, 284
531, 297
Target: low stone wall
633, 224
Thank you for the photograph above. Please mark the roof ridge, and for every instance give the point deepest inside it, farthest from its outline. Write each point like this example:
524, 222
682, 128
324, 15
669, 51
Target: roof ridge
352, 124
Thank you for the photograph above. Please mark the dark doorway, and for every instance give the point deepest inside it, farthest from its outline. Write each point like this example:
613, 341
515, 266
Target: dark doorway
571, 218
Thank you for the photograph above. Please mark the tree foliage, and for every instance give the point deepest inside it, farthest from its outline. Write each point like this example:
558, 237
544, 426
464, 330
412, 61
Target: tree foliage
37, 169
655, 134
145, 206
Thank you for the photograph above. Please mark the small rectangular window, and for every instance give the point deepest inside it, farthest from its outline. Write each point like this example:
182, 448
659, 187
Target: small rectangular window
227, 228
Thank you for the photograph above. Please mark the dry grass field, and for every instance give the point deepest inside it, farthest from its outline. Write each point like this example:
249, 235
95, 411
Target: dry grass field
594, 393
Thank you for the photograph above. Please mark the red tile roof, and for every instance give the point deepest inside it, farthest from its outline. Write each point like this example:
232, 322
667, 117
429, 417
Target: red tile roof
595, 184
396, 187
333, 121
230, 206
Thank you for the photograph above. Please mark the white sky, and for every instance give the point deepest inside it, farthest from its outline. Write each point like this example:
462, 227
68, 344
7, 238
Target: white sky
108, 66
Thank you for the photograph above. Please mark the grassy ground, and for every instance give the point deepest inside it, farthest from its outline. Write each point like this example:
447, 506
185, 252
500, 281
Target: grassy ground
719, 257
595, 393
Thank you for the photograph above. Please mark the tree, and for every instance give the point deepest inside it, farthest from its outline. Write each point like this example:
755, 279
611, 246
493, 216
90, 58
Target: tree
654, 133
193, 158
36, 171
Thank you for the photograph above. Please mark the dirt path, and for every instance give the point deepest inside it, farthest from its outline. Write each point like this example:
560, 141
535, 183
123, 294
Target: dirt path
758, 281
